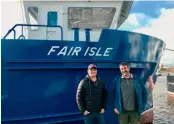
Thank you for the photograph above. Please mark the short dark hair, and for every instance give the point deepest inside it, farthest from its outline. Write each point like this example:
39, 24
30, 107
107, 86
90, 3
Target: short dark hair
124, 63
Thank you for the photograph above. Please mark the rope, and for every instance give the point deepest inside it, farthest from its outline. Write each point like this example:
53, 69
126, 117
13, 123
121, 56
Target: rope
169, 49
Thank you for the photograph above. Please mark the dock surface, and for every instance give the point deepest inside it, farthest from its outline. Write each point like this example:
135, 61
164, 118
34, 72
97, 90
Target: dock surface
164, 111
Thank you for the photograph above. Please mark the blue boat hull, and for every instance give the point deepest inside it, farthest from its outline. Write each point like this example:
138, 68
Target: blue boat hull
39, 79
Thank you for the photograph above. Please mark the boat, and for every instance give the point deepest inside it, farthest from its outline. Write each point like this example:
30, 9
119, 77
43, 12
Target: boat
170, 88
44, 59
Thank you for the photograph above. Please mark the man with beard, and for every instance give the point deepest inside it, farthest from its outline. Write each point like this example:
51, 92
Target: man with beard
130, 96
92, 97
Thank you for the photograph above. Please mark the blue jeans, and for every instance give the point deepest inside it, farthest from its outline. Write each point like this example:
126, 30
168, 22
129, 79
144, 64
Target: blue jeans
94, 118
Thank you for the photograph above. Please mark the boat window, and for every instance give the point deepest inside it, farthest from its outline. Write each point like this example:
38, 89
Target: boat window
52, 18
33, 17
90, 17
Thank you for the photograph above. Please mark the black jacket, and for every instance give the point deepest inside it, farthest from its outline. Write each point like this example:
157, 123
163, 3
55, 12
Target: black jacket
91, 97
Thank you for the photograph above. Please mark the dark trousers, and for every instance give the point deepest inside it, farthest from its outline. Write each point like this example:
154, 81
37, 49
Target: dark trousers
94, 118
128, 117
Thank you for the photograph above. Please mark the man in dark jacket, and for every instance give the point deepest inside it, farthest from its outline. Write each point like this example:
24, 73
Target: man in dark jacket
130, 96
92, 97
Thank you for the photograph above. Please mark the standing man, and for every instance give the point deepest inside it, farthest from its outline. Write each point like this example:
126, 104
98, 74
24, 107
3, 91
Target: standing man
130, 96
92, 97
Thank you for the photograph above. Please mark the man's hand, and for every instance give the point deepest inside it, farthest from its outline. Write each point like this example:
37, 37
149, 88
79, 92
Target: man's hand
86, 113
116, 111
102, 111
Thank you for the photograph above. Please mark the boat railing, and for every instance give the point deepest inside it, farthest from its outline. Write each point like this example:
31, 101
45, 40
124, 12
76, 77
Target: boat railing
21, 36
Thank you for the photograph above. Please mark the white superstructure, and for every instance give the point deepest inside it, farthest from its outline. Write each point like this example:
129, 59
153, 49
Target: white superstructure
93, 14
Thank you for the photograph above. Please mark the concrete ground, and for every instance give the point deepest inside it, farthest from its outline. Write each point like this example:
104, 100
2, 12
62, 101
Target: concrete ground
163, 109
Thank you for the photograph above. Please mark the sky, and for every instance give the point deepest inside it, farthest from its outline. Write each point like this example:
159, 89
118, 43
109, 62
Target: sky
155, 19
147, 17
